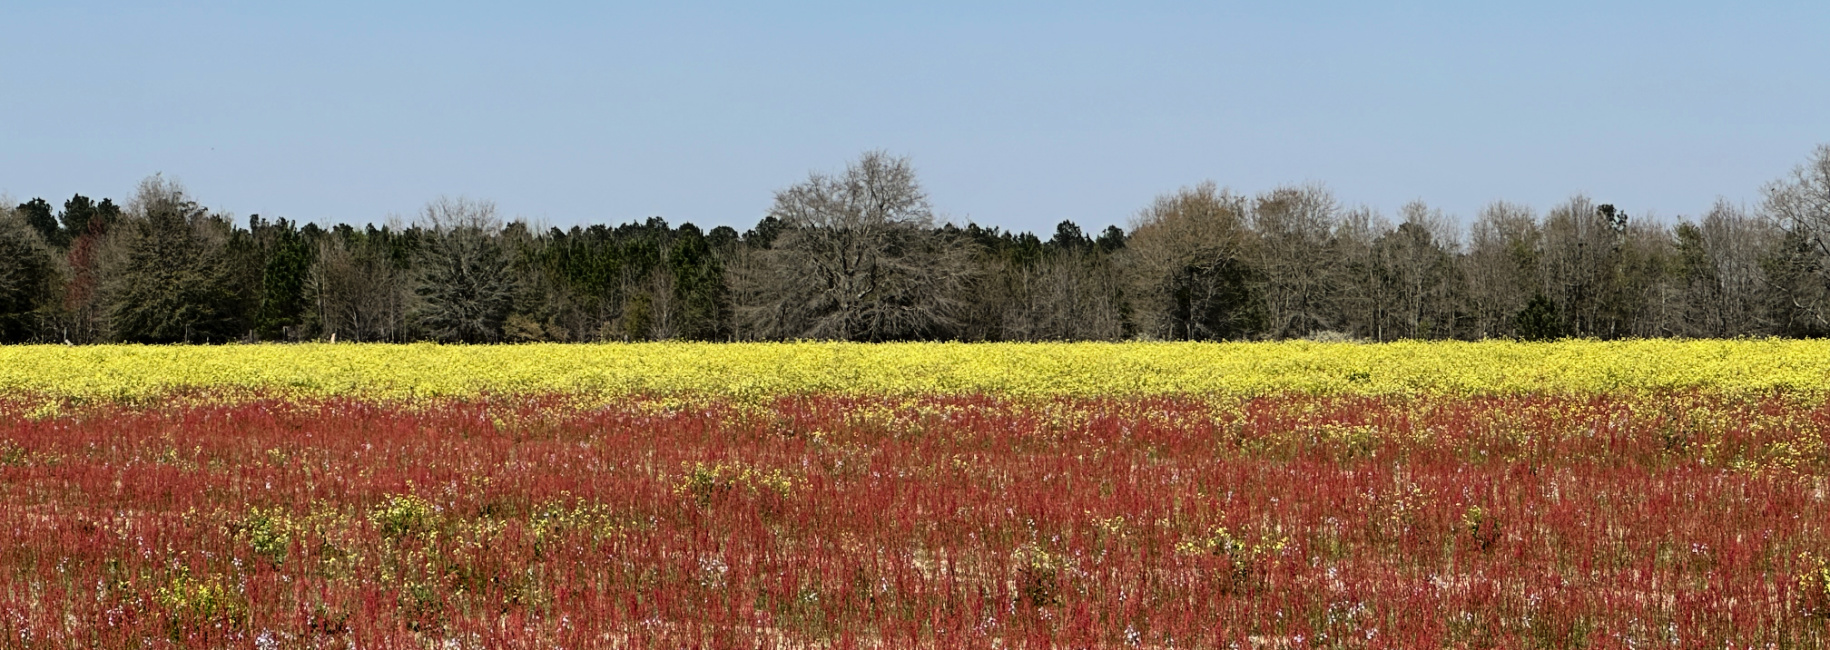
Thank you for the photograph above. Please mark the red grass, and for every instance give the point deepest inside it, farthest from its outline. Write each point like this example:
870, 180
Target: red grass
957, 522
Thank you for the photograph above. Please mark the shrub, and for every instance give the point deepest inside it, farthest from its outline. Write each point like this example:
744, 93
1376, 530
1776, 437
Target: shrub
1242, 565
1481, 526
1038, 575
403, 515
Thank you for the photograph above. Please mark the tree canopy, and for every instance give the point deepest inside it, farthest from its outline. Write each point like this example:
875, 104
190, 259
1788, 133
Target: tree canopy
858, 254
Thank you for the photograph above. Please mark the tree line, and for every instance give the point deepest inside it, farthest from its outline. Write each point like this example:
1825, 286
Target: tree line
859, 255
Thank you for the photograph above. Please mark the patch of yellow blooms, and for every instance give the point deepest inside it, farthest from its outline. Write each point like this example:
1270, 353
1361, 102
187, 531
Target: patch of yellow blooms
760, 370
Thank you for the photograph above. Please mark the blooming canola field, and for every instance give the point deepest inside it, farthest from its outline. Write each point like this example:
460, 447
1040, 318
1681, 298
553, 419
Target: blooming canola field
1668, 494
1010, 370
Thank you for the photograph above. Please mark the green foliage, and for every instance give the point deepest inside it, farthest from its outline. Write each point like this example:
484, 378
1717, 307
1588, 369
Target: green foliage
1214, 302
1692, 253
199, 605
857, 256
1794, 274
637, 281
37, 214
173, 280
82, 216
765, 232
1539, 320
698, 286
268, 531
1111, 239
27, 274
288, 260
13, 454
404, 515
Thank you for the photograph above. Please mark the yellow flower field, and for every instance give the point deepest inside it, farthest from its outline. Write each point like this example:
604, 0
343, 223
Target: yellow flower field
1015, 370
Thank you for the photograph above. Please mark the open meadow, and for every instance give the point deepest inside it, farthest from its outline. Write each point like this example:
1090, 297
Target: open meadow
1648, 494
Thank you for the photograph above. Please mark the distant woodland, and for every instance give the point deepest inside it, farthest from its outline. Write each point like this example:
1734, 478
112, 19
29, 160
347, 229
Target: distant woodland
858, 255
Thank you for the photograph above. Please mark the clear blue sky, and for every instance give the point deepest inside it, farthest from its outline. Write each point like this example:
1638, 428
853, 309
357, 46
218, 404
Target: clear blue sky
1016, 114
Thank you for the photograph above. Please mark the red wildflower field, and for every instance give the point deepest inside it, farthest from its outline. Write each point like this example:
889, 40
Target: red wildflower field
1283, 522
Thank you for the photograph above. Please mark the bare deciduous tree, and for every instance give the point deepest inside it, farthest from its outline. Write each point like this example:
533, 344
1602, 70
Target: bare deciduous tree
858, 259
1187, 255
1501, 267
1718, 263
1364, 298
1607, 274
356, 294
465, 288
1415, 263
1645, 298
1301, 280
1580, 241
1800, 205
1072, 295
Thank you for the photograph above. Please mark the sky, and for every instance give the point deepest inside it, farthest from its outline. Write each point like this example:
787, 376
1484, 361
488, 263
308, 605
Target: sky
1014, 114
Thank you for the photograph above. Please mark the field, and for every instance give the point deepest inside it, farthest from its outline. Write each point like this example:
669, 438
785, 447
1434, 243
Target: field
1649, 494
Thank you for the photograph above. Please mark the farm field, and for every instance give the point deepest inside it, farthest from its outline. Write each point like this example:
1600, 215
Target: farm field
765, 370
1650, 494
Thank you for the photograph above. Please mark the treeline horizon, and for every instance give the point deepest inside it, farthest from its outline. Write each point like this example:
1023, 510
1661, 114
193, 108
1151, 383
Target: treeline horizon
858, 256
